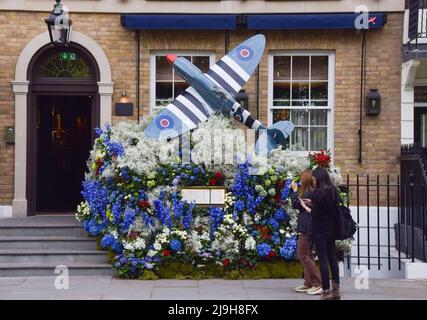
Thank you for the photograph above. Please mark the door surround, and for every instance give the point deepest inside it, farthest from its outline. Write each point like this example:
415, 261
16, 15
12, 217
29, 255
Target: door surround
21, 90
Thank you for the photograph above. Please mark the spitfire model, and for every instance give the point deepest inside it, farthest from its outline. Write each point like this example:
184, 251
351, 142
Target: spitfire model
215, 91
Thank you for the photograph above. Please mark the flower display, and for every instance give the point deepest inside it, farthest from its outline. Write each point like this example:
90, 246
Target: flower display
133, 202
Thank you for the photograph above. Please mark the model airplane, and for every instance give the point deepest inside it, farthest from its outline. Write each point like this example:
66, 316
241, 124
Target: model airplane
215, 91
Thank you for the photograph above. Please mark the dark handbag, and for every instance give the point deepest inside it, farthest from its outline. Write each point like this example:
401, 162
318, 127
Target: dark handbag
347, 227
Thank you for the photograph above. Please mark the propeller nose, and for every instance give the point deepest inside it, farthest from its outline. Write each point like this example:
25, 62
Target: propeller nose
171, 58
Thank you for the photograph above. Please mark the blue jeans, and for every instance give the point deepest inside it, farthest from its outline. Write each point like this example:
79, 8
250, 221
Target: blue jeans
326, 252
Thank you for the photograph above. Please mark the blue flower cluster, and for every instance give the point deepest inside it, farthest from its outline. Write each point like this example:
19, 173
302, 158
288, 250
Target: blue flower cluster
109, 241
93, 227
175, 245
216, 216
263, 249
288, 251
286, 189
96, 194
281, 215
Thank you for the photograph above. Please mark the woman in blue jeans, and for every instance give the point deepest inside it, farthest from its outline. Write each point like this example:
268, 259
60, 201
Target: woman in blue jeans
325, 217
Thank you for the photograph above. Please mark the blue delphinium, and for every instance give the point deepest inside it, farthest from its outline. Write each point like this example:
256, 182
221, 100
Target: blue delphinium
128, 219
281, 214
263, 249
96, 196
286, 189
216, 217
161, 210
175, 245
289, 249
273, 223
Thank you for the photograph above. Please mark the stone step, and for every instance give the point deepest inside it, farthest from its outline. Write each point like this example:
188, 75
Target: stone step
41, 230
52, 256
48, 269
47, 242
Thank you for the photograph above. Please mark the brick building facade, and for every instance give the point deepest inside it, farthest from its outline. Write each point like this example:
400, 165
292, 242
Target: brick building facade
103, 31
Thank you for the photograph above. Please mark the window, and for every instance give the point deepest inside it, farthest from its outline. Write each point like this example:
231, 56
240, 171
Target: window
166, 84
65, 64
301, 91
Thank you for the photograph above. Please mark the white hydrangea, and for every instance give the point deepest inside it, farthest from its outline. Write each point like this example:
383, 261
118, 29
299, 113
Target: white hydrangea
250, 244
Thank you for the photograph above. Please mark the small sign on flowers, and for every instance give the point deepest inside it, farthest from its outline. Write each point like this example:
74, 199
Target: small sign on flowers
204, 196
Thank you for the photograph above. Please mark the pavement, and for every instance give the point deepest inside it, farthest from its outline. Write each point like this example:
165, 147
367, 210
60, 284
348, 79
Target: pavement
110, 288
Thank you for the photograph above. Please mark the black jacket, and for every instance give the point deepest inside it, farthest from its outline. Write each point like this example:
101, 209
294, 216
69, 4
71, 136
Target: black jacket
325, 215
304, 218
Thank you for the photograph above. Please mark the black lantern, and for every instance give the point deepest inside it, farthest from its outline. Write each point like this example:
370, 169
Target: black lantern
242, 99
59, 25
373, 102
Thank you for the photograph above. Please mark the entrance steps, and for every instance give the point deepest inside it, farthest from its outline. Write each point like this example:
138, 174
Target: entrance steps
35, 246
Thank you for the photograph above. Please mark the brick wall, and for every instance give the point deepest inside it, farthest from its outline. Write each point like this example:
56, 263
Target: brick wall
381, 146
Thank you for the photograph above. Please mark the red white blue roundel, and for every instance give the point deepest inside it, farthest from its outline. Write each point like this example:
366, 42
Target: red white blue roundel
164, 122
238, 116
245, 53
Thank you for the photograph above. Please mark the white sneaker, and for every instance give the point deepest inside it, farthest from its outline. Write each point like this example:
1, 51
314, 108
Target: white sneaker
315, 290
302, 289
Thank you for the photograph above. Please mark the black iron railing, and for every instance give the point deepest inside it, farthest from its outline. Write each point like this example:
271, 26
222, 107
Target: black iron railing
413, 200
417, 26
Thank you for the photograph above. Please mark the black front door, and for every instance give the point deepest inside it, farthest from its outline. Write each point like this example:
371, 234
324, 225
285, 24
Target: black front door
420, 126
63, 141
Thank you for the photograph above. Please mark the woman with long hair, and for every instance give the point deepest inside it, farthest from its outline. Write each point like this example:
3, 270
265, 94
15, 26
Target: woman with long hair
312, 282
326, 221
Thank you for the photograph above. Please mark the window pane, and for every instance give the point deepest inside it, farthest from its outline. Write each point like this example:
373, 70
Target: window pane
163, 69
282, 68
299, 117
319, 90
163, 90
318, 117
280, 115
281, 103
179, 88
65, 64
300, 67
281, 91
300, 90
300, 139
318, 139
305, 103
319, 67
323, 103
202, 63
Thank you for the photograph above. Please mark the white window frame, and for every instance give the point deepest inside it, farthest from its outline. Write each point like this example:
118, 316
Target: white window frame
331, 92
155, 54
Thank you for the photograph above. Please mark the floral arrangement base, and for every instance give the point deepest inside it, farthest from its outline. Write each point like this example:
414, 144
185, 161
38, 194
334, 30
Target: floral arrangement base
278, 269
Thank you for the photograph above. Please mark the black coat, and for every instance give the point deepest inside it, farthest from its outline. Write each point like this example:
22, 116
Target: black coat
325, 215
304, 223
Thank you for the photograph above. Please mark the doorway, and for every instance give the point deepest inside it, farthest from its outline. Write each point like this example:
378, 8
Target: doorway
420, 126
63, 125
63, 112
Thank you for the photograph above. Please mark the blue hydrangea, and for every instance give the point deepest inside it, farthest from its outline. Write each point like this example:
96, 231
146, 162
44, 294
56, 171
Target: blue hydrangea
263, 249
288, 251
175, 245
93, 227
273, 223
281, 214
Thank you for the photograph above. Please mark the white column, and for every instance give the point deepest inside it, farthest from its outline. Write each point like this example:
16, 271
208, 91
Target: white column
19, 204
106, 90
409, 70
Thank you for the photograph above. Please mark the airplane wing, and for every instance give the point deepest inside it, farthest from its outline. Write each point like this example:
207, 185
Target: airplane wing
186, 112
234, 70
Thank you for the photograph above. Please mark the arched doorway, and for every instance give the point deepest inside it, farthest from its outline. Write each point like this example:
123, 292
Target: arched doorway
63, 110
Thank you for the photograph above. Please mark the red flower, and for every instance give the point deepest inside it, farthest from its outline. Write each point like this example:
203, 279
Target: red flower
272, 254
212, 182
226, 262
166, 253
144, 204
218, 175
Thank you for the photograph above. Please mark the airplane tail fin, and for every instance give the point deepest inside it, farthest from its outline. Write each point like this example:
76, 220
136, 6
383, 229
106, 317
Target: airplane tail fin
273, 136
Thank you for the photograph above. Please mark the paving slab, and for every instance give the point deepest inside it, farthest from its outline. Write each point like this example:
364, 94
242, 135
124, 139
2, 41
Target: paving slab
175, 293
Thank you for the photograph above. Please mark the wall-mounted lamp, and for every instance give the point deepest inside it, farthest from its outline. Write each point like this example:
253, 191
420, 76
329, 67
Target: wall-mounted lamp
124, 107
243, 99
373, 102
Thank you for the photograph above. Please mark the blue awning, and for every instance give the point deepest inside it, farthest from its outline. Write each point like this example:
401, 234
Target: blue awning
179, 21
312, 21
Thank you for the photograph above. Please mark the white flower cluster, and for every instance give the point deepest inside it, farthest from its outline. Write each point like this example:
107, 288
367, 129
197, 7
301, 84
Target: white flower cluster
134, 245
83, 211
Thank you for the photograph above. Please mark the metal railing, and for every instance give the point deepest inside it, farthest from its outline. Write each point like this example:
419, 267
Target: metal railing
417, 25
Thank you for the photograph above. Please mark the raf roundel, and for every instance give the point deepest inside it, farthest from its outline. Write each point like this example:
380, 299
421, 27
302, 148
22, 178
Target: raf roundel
164, 122
245, 53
